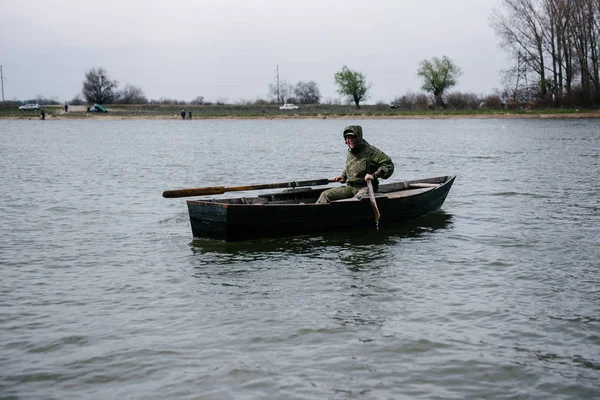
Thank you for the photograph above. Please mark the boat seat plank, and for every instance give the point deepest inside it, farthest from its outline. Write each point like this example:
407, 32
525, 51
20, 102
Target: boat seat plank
366, 197
407, 193
392, 195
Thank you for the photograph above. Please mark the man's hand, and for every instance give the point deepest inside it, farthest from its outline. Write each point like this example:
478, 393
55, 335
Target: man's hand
338, 179
369, 177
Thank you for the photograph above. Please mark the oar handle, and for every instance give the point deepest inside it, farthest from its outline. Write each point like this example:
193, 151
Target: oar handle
170, 194
204, 191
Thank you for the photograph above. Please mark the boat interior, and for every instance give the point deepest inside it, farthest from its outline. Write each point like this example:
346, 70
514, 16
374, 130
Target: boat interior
309, 195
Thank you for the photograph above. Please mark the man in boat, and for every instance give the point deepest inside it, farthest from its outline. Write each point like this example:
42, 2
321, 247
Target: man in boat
364, 162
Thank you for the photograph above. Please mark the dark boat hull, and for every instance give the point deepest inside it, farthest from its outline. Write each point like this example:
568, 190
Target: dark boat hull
294, 212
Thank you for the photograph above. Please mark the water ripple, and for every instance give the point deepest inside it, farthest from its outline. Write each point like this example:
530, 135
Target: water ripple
103, 290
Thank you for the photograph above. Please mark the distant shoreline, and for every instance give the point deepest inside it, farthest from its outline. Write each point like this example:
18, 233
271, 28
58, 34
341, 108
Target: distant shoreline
113, 117
272, 112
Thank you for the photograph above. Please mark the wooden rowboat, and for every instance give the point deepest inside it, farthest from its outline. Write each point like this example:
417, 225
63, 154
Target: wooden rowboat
293, 211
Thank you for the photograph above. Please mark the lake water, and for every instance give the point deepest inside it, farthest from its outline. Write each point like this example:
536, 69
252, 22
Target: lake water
103, 294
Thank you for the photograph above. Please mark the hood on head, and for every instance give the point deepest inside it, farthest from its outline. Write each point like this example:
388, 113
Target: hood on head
356, 130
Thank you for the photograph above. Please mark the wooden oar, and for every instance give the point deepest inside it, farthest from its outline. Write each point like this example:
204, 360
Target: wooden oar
203, 191
373, 202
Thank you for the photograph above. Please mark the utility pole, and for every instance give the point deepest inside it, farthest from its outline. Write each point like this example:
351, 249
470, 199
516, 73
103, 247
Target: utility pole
2, 80
278, 93
101, 100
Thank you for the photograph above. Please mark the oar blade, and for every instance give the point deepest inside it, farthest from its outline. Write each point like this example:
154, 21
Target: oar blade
373, 202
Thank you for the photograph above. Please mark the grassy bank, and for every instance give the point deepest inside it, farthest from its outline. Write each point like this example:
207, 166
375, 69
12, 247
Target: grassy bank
151, 111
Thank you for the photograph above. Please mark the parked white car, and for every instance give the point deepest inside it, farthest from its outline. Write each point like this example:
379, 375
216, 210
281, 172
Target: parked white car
289, 107
30, 106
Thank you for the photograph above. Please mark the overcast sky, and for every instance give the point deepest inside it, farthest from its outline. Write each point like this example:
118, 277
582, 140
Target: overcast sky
230, 49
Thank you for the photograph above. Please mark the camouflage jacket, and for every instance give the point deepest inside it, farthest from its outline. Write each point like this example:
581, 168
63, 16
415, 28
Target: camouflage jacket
365, 159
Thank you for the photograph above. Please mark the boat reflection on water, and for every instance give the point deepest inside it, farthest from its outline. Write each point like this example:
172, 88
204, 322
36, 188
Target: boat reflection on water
212, 251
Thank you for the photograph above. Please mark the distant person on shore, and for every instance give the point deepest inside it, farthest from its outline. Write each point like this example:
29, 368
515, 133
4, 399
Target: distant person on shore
363, 163
43, 113
66, 107
182, 113
190, 114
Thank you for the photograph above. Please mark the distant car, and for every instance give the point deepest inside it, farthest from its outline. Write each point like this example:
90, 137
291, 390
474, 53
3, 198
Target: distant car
289, 107
30, 106
97, 108
392, 105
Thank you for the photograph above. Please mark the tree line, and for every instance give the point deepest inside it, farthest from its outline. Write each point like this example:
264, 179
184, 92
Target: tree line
554, 46
98, 87
437, 76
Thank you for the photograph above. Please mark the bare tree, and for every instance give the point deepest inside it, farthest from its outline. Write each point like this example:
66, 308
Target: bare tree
307, 92
407, 101
585, 32
521, 30
281, 93
199, 100
463, 101
556, 21
516, 82
77, 100
131, 95
98, 87
43, 100
558, 41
